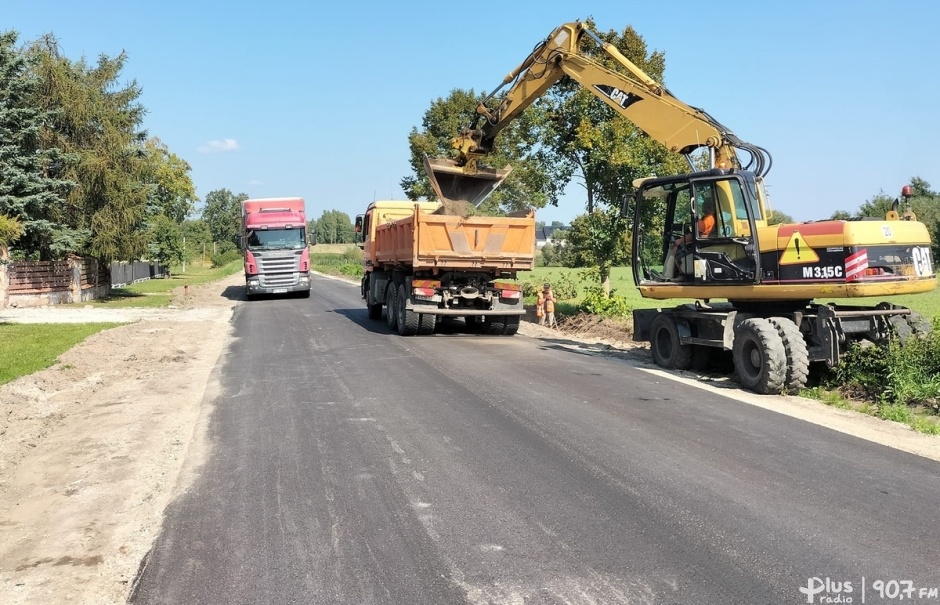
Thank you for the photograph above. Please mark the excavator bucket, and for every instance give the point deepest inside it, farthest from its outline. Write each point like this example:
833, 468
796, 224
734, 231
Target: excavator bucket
461, 184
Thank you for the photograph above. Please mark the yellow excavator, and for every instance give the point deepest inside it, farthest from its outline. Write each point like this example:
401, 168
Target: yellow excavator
711, 240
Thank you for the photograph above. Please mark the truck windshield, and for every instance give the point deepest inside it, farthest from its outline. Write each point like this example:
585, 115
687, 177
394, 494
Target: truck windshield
276, 239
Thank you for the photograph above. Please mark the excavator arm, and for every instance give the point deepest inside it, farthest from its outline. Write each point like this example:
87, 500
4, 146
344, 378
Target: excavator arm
632, 93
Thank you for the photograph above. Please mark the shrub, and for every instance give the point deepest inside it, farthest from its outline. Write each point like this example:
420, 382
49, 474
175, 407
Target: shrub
351, 269
895, 374
225, 253
596, 302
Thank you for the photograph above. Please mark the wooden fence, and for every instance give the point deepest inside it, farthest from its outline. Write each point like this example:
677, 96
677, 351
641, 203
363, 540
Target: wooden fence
40, 283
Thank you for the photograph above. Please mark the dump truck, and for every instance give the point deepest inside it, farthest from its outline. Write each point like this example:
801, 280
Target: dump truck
274, 244
422, 265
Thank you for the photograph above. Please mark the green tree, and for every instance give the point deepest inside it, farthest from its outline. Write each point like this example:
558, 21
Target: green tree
876, 206
95, 121
334, 227
166, 241
924, 203
598, 240
30, 188
530, 184
780, 218
10, 230
172, 192
548, 254
222, 214
198, 239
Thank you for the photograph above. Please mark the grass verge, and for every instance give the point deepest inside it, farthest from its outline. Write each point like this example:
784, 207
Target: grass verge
159, 292
28, 348
918, 419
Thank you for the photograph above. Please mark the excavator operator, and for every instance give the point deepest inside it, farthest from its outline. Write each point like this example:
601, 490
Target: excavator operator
679, 255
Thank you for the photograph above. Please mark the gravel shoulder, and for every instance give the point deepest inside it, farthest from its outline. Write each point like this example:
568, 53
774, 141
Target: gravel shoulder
93, 449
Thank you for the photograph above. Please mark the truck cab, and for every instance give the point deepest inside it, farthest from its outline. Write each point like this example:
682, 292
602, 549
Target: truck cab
274, 242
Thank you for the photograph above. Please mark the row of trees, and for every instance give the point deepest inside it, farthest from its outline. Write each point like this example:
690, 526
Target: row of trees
78, 174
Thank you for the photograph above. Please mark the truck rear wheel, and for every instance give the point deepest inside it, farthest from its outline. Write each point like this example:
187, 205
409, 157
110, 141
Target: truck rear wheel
391, 311
759, 357
512, 325
426, 324
496, 324
407, 319
667, 351
794, 347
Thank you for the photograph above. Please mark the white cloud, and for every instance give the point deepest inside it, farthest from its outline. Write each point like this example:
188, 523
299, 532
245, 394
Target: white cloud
217, 146
255, 182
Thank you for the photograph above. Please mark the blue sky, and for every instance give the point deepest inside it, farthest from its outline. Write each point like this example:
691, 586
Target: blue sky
316, 99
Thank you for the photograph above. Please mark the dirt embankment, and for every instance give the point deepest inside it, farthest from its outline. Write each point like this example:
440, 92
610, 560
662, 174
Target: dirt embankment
92, 449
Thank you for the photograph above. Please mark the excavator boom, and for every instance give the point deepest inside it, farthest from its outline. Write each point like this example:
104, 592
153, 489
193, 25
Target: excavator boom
631, 92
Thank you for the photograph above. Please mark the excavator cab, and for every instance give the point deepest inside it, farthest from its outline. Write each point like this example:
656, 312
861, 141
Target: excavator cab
696, 229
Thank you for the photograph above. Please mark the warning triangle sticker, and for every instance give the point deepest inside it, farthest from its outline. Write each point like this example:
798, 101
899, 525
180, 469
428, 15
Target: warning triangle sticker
798, 252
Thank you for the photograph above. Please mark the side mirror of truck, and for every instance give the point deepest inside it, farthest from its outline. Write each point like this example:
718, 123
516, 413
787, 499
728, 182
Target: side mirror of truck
312, 238
359, 228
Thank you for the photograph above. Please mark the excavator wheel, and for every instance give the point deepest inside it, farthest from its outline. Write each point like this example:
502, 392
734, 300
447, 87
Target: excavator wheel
794, 347
906, 326
760, 357
391, 311
667, 351
407, 319
918, 324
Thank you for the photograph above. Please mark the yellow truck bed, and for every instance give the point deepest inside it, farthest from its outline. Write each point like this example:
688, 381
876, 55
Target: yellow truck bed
437, 241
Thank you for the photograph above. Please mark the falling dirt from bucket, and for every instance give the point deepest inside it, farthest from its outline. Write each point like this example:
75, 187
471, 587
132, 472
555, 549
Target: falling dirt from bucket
460, 188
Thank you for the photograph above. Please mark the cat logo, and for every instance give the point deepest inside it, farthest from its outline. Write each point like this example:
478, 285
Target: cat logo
622, 98
798, 252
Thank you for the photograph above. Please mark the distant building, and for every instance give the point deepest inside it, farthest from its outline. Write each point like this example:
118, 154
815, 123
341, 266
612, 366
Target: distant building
543, 235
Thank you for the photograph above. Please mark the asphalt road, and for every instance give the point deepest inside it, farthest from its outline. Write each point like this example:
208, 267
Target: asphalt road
351, 465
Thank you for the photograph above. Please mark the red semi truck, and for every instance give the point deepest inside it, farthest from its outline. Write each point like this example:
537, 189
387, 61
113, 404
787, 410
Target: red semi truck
274, 241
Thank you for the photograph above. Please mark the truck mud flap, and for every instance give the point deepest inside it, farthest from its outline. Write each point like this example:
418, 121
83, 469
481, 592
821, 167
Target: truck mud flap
642, 323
